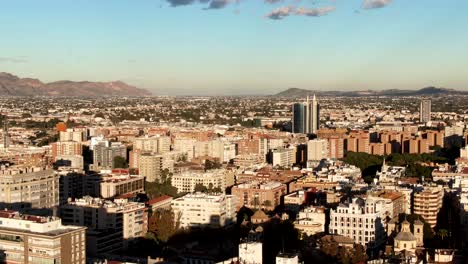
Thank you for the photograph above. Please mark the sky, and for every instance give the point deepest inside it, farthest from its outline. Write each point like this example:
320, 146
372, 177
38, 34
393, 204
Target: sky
239, 47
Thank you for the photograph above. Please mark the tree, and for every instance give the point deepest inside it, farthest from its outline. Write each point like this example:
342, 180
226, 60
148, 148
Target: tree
359, 254
443, 233
200, 188
267, 203
211, 165
164, 224
255, 202
120, 162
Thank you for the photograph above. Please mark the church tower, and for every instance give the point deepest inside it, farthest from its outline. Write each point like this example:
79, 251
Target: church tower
419, 232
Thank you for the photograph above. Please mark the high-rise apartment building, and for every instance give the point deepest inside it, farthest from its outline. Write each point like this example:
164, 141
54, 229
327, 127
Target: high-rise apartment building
76, 135
35, 239
283, 157
306, 117
158, 144
425, 111
103, 156
66, 148
427, 203
317, 149
28, 187
200, 209
151, 166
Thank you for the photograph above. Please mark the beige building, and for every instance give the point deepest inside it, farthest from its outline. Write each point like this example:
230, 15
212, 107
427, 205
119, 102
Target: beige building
158, 144
34, 239
117, 221
265, 195
427, 203
152, 165
114, 185
186, 181
28, 187
65, 148
317, 149
73, 135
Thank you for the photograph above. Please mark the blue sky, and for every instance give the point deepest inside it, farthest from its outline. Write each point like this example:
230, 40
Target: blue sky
244, 47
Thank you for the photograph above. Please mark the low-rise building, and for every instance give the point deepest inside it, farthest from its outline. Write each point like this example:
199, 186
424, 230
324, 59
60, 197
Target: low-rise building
360, 221
204, 210
311, 220
255, 194
114, 185
186, 181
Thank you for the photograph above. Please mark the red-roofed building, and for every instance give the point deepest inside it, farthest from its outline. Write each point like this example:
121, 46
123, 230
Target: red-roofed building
162, 202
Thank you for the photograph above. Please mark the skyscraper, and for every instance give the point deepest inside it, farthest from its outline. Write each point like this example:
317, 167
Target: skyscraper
306, 117
425, 111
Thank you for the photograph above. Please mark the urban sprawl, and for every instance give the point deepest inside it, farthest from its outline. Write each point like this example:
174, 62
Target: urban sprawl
246, 180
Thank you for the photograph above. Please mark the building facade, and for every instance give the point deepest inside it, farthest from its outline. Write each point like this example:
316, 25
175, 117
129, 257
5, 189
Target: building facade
204, 210
34, 239
28, 187
360, 221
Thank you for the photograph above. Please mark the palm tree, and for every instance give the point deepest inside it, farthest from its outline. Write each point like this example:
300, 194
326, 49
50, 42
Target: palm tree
443, 233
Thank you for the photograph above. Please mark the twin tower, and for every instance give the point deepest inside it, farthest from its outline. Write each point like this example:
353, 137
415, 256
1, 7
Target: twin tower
306, 117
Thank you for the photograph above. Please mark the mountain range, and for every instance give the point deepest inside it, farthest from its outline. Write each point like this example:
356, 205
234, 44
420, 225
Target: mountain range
11, 85
428, 91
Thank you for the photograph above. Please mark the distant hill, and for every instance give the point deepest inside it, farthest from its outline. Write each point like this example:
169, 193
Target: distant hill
11, 85
428, 91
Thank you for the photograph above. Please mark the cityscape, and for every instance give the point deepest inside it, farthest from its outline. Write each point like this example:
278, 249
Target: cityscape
228, 132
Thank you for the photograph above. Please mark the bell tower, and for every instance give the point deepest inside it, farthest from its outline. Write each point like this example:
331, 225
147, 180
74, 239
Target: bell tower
419, 232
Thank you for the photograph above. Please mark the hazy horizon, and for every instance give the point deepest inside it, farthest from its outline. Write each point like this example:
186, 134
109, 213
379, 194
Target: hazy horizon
239, 47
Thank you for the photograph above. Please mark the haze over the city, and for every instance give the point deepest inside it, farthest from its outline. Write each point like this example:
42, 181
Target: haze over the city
224, 47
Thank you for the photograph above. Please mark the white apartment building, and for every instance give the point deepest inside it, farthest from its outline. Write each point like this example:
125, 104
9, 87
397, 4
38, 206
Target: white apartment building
186, 181
120, 219
311, 220
251, 248
223, 150
317, 149
28, 187
199, 209
251, 252
284, 157
360, 221
287, 258
35, 239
